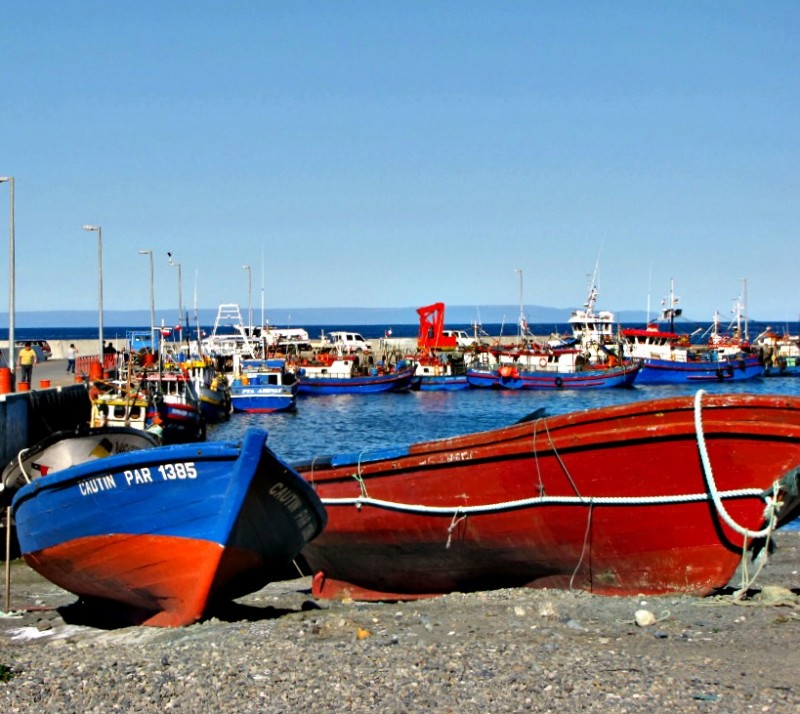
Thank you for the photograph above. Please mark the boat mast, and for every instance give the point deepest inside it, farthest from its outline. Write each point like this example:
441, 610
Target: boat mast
744, 309
670, 312
521, 308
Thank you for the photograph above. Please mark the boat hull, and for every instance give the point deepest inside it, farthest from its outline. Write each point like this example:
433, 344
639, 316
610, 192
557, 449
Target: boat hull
169, 531
542, 379
368, 384
263, 399
613, 501
444, 383
215, 404
662, 371
264, 386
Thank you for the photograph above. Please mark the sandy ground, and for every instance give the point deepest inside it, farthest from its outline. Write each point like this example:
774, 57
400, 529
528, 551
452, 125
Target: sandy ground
503, 650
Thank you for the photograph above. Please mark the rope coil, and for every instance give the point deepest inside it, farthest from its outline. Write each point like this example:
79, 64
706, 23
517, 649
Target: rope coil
772, 503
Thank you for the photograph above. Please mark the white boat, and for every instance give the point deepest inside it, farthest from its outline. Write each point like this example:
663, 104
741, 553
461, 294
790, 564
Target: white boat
65, 449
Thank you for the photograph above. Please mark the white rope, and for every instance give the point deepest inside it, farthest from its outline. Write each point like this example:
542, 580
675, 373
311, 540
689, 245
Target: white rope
453, 524
360, 501
772, 502
4, 485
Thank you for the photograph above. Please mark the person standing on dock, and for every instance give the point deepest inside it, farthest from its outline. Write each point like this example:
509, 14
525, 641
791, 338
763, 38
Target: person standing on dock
26, 362
72, 353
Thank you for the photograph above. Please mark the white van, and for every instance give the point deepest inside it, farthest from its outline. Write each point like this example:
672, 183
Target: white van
349, 341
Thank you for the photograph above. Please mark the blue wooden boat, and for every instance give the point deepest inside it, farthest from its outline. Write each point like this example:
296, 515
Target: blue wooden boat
211, 387
510, 377
660, 371
168, 531
440, 373
263, 386
781, 354
344, 375
669, 358
174, 402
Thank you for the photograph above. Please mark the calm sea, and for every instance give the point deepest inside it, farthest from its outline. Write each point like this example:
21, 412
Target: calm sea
370, 331
333, 424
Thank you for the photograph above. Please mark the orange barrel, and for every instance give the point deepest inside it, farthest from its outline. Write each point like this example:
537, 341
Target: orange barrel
95, 371
23, 386
5, 380
44, 384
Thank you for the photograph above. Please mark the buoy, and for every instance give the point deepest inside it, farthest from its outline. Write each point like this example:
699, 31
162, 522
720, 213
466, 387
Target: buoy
5, 380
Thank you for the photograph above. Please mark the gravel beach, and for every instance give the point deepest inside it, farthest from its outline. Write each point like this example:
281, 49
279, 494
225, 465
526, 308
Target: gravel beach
509, 650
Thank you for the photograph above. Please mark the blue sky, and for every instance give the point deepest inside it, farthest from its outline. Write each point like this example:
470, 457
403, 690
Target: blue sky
391, 154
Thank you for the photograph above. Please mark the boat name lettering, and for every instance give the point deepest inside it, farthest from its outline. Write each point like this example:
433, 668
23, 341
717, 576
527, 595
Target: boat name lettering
286, 496
296, 507
137, 476
460, 456
95, 485
179, 470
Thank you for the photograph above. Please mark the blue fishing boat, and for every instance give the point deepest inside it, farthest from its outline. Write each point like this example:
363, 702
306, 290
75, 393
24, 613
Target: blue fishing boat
167, 532
669, 358
781, 353
436, 373
344, 375
507, 376
263, 386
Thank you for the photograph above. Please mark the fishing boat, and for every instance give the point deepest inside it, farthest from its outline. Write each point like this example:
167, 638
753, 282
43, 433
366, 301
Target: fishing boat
563, 368
781, 353
262, 386
165, 533
335, 373
64, 449
670, 358
211, 387
440, 373
118, 403
653, 497
440, 360
173, 400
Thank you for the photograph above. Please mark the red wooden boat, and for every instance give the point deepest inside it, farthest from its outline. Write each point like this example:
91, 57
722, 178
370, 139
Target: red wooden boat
655, 497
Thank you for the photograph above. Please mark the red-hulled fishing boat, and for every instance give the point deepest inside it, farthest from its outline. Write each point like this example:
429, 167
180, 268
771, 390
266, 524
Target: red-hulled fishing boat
655, 497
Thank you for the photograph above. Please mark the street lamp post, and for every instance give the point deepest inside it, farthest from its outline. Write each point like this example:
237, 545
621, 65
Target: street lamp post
180, 293
249, 300
100, 342
12, 359
152, 302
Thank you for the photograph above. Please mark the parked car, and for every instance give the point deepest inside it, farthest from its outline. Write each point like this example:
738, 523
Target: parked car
462, 337
40, 347
349, 342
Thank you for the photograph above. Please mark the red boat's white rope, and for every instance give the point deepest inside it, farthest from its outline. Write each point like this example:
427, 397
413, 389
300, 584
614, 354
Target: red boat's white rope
360, 501
773, 504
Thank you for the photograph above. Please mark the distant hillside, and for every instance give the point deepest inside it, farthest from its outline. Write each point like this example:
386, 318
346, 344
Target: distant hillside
460, 314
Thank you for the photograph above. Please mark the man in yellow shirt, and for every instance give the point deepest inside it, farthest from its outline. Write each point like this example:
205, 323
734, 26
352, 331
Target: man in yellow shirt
26, 362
